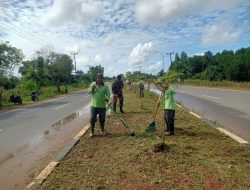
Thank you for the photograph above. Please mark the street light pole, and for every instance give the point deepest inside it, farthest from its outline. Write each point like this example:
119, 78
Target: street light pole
74, 56
162, 59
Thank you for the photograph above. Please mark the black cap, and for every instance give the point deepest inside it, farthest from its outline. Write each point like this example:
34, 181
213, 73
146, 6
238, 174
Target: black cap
119, 77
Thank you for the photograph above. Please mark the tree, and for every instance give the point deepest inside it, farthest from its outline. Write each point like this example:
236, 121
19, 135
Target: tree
93, 70
10, 57
181, 64
60, 69
160, 73
213, 73
34, 70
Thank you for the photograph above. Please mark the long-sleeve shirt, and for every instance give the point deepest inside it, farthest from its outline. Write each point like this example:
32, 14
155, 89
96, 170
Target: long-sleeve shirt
117, 87
169, 99
99, 94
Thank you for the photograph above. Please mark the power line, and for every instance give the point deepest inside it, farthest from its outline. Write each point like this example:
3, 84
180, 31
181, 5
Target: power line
26, 35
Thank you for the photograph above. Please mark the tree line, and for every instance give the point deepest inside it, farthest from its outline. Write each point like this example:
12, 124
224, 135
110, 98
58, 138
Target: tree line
227, 65
45, 68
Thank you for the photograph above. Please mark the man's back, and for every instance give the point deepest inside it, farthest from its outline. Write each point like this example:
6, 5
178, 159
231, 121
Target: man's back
117, 86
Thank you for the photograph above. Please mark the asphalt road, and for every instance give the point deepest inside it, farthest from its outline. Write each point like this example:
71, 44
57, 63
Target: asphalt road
229, 108
32, 135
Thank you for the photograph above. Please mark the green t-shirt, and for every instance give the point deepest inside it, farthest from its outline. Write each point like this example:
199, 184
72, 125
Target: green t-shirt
169, 99
141, 84
99, 94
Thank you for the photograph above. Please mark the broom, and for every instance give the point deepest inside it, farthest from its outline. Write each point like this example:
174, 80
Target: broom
118, 115
151, 124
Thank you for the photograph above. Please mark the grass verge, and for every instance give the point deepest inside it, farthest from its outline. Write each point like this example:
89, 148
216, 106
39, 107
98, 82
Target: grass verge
220, 84
43, 93
199, 156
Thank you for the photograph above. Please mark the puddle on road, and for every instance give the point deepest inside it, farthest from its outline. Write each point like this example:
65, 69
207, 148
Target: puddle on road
81, 112
6, 158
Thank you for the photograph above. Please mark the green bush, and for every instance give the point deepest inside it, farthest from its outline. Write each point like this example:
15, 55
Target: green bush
29, 85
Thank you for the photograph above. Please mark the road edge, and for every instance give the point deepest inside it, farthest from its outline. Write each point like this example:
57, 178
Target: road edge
219, 128
37, 182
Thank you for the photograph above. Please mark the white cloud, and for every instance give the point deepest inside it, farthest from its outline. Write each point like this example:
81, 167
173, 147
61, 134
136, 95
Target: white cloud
109, 38
76, 11
199, 53
216, 34
98, 59
74, 48
162, 11
154, 68
140, 53
82, 62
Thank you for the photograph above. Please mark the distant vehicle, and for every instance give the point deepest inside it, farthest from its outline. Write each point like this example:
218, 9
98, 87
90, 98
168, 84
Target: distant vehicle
34, 96
15, 99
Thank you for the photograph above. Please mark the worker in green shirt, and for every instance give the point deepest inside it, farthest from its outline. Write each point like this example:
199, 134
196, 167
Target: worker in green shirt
100, 95
141, 87
169, 110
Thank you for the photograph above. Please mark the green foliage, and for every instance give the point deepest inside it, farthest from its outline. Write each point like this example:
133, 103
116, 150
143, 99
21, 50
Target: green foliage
29, 85
60, 69
233, 66
137, 76
10, 57
212, 73
93, 70
169, 77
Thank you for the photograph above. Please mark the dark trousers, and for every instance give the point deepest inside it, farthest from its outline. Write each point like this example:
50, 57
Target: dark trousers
120, 101
141, 92
93, 117
169, 119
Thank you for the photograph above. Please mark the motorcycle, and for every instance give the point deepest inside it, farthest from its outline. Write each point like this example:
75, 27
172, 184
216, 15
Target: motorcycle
33, 96
15, 99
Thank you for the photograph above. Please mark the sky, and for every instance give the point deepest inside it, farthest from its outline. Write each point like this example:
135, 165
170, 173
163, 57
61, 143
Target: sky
125, 35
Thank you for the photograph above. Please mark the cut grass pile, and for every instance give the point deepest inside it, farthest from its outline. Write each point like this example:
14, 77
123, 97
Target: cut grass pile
197, 157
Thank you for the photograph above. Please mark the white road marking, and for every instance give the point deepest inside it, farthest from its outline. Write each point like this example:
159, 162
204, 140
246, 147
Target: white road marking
195, 114
1, 130
211, 97
61, 106
233, 136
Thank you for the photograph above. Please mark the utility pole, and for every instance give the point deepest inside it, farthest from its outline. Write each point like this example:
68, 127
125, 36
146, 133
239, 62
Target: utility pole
170, 53
74, 56
140, 68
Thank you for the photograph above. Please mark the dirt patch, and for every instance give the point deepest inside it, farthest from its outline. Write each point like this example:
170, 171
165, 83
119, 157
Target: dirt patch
161, 147
212, 181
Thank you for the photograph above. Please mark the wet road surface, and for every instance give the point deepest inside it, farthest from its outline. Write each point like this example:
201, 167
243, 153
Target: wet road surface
32, 135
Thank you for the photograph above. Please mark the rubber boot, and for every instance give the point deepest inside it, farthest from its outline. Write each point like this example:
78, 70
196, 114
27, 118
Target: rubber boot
103, 131
92, 128
121, 110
